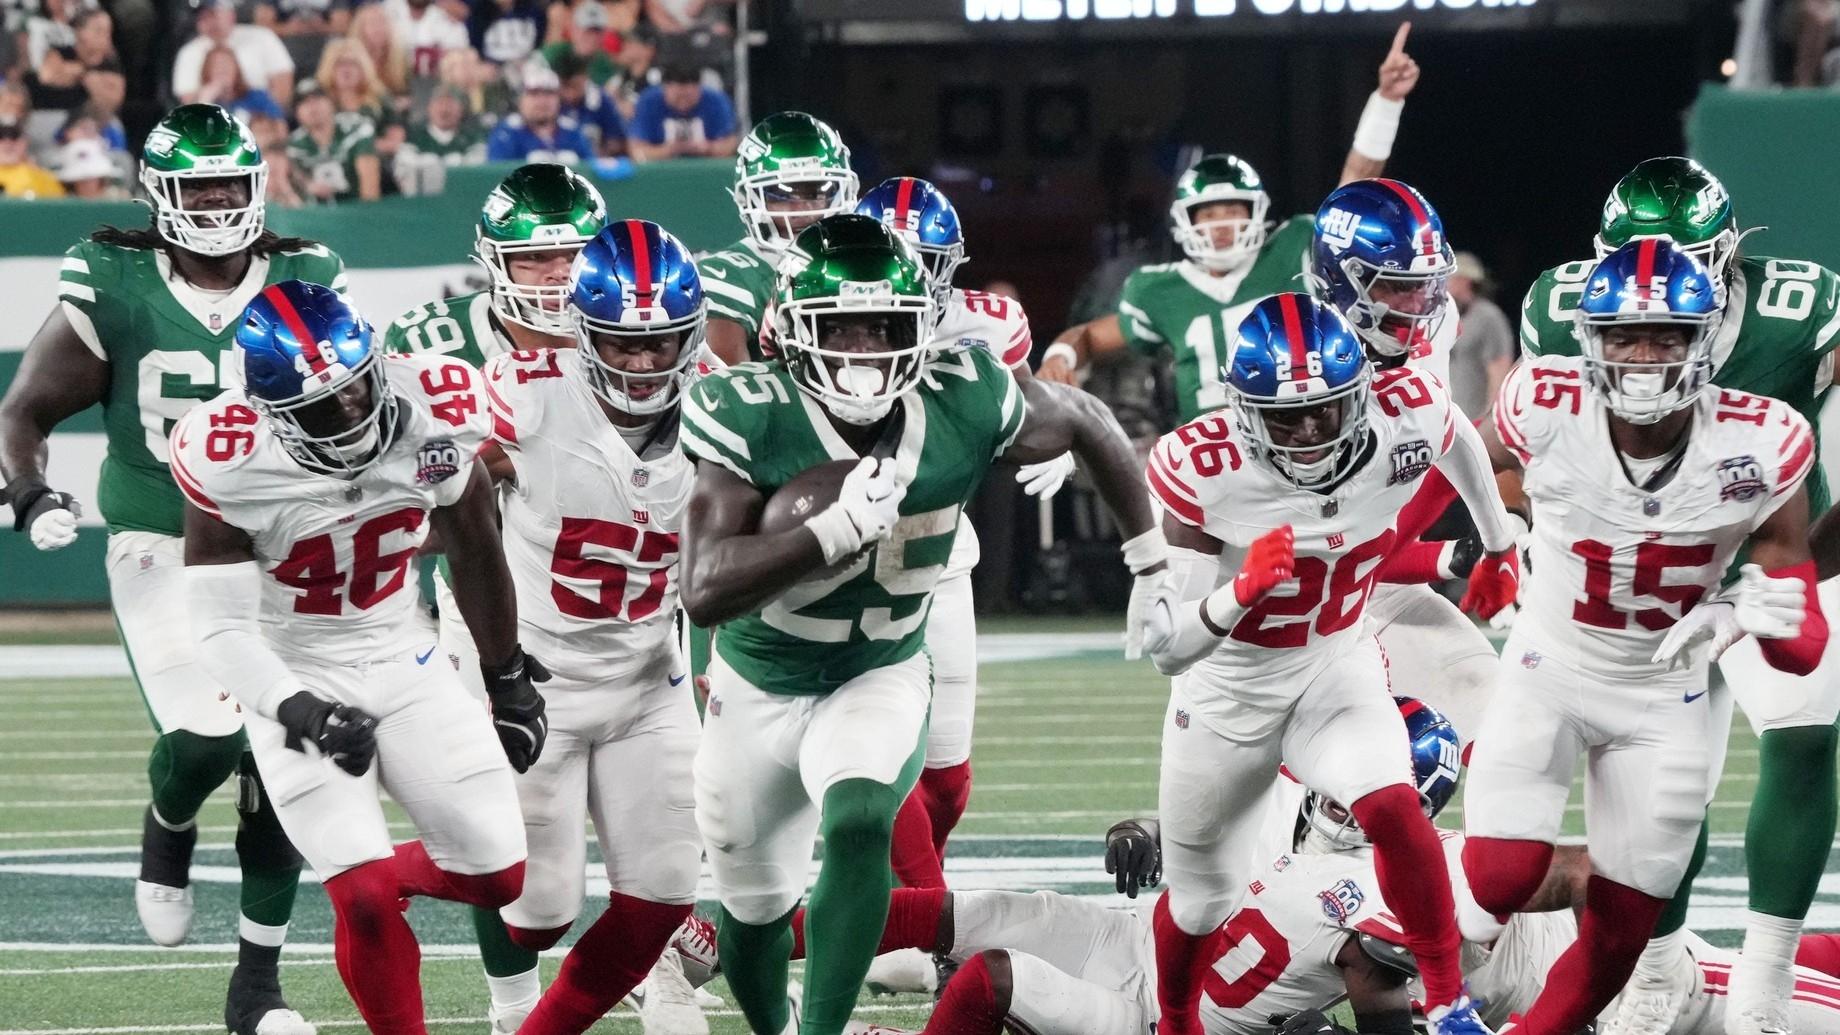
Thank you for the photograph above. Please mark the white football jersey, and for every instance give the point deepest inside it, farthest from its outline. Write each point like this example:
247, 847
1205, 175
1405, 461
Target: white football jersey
338, 552
1614, 565
1207, 475
994, 323
591, 529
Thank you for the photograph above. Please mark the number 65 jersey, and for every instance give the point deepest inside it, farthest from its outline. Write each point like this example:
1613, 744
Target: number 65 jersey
1614, 565
1205, 475
590, 527
337, 551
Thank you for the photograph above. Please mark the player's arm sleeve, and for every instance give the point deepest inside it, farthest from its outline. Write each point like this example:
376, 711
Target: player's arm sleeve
729, 296
508, 409
710, 409
1019, 340
457, 402
1795, 457
1140, 332
1465, 462
1513, 415
79, 276
225, 601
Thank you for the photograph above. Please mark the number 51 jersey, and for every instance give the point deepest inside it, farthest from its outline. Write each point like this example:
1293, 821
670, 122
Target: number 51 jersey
1614, 566
591, 528
1206, 475
337, 551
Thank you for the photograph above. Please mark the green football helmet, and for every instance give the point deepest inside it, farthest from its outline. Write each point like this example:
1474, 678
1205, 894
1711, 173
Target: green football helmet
201, 142
791, 170
538, 208
1217, 178
1677, 198
851, 265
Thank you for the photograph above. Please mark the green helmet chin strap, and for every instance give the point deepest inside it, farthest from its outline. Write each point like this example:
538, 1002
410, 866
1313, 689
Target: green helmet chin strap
203, 142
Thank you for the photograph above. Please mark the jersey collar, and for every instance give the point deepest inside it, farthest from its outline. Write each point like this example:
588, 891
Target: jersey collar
1220, 289
216, 316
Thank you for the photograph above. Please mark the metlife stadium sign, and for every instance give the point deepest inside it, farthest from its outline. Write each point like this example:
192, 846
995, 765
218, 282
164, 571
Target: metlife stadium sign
971, 20
1121, 10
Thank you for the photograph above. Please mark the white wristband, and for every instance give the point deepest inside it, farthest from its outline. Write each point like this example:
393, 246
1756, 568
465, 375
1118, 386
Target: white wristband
1373, 136
837, 534
1061, 350
1145, 551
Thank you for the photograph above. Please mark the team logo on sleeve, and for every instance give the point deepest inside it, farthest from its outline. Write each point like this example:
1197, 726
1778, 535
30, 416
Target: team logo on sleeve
1342, 901
437, 461
1741, 479
1410, 461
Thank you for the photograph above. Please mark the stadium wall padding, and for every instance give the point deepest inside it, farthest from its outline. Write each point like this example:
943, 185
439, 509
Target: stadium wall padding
1777, 152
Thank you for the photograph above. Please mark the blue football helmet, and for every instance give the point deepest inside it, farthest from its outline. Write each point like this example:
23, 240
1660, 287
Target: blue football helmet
636, 281
1651, 283
1437, 761
1293, 354
314, 369
1379, 256
922, 216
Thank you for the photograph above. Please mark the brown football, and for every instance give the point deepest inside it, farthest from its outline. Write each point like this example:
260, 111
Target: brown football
809, 492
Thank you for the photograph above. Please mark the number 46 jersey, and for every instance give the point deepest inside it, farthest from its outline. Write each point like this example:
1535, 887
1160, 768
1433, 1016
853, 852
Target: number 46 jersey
590, 527
1614, 565
337, 551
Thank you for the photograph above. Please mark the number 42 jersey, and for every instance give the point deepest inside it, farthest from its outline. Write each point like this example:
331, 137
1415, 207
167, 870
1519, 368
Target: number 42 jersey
337, 551
1614, 565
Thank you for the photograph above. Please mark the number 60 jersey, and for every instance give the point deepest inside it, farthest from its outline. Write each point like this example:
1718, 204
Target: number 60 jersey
1614, 566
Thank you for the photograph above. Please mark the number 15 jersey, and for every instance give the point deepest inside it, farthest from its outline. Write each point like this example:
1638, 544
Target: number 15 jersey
1614, 565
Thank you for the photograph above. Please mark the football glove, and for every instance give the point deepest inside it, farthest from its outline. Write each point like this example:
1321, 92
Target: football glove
1769, 608
1494, 583
868, 504
48, 516
1145, 555
346, 735
1271, 561
517, 708
1715, 621
1132, 856
1045, 479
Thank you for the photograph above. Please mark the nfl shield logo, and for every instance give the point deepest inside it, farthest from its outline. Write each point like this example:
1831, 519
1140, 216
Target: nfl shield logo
1330, 508
641, 477
1651, 506
353, 493
1181, 719
1531, 659
715, 706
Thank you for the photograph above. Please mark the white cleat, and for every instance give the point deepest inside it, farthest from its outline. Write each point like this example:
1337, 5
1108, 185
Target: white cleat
1760, 996
903, 970
1649, 1006
709, 1000
1760, 1019
668, 1006
166, 913
508, 1018
284, 1022
695, 943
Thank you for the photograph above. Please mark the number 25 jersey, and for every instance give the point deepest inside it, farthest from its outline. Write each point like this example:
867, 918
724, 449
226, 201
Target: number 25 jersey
1614, 566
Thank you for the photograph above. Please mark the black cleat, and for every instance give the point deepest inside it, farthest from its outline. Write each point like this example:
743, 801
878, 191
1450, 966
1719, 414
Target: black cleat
254, 1005
944, 966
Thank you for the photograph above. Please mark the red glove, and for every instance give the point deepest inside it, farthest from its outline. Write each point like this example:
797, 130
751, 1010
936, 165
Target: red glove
1271, 560
1493, 584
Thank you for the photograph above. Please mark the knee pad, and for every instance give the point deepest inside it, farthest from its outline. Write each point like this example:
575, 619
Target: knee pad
494, 890
1504, 874
536, 939
261, 844
858, 815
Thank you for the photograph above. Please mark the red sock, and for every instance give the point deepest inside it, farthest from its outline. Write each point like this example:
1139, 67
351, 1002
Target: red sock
609, 960
970, 1003
1181, 964
1414, 881
913, 922
417, 874
916, 864
1612, 932
1819, 952
947, 791
1503, 874
536, 939
375, 950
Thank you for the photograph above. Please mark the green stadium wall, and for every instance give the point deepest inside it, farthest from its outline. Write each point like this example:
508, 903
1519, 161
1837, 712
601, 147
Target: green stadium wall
1778, 152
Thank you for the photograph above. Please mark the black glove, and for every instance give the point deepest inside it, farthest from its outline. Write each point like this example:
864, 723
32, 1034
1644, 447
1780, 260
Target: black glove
1131, 853
342, 733
1463, 556
517, 708
1308, 1022
30, 497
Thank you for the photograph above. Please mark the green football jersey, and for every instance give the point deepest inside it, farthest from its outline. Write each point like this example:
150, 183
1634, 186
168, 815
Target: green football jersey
169, 347
1782, 320
353, 135
821, 633
462, 327
738, 282
1181, 307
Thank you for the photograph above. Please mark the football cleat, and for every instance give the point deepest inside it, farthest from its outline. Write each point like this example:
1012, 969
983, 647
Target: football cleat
1650, 1006
507, 1019
903, 970
163, 894
1458, 1018
1765, 1018
695, 943
668, 1004
253, 1006
166, 912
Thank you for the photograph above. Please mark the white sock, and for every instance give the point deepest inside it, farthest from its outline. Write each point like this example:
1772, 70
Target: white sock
1661, 958
518, 990
261, 934
1765, 969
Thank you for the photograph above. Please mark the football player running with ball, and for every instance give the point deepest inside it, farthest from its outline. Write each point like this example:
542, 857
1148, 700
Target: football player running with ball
586, 442
1279, 516
1780, 323
819, 685
308, 493
143, 326
1606, 658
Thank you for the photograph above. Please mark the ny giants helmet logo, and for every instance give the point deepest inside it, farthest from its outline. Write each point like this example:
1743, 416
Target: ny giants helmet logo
1342, 901
1339, 227
1741, 479
1410, 461
437, 461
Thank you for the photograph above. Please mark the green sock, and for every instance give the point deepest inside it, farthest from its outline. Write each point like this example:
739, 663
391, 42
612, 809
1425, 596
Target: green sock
700, 640
185, 769
755, 959
271, 867
1791, 827
502, 956
1674, 917
849, 903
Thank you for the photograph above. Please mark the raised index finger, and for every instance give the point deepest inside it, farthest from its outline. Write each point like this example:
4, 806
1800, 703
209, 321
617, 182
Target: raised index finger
1399, 41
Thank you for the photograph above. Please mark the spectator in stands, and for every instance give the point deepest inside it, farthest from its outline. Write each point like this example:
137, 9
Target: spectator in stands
505, 32
585, 39
486, 91
427, 32
673, 17
1485, 347
373, 30
447, 135
86, 123
680, 118
52, 25
303, 17
56, 84
334, 153
107, 88
588, 108
638, 50
349, 78
86, 171
535, 133
271, 135
263, 56
222, 82
15, 103
20, 176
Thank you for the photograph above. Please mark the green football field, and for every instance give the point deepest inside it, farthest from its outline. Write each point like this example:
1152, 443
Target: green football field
1066, 742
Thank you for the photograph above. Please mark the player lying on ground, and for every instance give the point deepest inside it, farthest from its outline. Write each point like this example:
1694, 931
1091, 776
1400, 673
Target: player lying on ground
308, 492
828, 488
1646, 481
